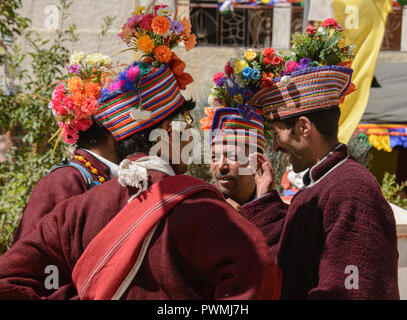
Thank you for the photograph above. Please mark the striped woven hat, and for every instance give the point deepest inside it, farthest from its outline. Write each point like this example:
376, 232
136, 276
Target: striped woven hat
303, 91
140, 103
228, 126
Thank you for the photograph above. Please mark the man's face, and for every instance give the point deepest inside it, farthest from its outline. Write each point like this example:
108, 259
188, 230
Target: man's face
225, 167
291, 143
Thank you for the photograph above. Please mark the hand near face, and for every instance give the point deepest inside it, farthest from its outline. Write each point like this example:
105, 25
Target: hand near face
264, 174
236, 206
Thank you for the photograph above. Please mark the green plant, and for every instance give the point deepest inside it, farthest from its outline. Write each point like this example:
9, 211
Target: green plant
392, 190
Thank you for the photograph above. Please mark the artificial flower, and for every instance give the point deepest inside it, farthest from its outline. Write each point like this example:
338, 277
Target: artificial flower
164, 12
147, 21
145, 44
217, 75
76, 57
276, 60
75, 84
330, 22
250, 55
162, 54
139, 9
256, 74
206, 123
290, 66
190, 42
186, 27
160, 25
239, 65
228, 69
176, 26
311, 30
92, 90
74, 69
97, 58
247, 72
285, 81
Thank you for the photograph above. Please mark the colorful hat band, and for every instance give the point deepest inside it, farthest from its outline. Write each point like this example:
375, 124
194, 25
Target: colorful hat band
228, 125
158, 94
308, 90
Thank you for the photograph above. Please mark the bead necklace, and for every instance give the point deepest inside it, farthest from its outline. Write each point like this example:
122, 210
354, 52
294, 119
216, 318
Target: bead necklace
89, 165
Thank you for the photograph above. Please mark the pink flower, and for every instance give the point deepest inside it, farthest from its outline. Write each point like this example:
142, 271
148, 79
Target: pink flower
228, 69
89, 107
276, 60
132, 73
81, 124
330, 22
68, 103
290, 66
69, 134
135, 20
217, 76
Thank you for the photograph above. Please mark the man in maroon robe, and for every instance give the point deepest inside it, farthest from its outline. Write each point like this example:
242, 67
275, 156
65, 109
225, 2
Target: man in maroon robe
95, 145
200, 249
337, 239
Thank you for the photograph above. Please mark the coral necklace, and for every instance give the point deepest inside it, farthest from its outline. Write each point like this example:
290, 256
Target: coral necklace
89, 165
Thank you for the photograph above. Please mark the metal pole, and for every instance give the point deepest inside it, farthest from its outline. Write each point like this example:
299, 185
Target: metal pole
306, 11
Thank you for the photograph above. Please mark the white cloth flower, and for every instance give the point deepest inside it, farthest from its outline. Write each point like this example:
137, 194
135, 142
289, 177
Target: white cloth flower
138, 114
76, 57
286, 80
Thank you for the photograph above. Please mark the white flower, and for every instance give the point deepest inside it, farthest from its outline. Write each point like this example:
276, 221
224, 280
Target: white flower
76, 57
138, 114
94, 58
164, 12
285, 81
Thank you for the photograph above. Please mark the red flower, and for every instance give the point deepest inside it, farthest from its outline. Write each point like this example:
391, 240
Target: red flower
228, 69
276, 61
311, 30
330, 22
268, 52
266, 82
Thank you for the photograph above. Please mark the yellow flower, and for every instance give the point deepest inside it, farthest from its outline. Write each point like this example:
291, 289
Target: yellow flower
250, 55
239, 65
139, 10
238, 98
76, 57
341, 44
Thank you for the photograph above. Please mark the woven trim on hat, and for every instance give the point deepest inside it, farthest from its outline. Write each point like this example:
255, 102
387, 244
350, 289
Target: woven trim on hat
309, 90
228, 124
158, 93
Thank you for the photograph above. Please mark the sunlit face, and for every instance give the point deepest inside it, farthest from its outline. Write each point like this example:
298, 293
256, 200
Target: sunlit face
176, 144
225, 170
292, 144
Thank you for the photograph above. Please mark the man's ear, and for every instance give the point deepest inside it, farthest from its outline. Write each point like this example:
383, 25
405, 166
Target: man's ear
304, 126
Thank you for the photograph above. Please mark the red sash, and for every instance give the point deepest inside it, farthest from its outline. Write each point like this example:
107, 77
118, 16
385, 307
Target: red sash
112, 258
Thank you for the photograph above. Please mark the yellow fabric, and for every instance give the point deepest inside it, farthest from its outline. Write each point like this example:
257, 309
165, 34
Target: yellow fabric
380, 142
364, 23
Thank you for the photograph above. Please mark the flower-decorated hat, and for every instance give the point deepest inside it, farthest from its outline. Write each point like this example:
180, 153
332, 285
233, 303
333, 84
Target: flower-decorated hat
316, 76
149, 90
75, 99
229, 116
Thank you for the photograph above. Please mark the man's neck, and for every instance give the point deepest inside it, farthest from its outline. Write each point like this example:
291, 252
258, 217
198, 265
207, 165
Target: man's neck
106, 153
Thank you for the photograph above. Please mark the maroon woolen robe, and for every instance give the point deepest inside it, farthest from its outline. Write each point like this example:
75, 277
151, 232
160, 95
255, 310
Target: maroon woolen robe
203, 249
339, 220
55, 187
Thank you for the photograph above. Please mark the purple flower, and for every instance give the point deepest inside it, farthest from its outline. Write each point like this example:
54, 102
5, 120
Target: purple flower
247, 93
305, 61
74, 69
176, 26
220, 81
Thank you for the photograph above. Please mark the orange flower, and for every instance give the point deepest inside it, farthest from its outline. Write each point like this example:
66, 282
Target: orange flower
75, 84
160, 25
190, 42
162, 54
78, 98
206, 123
186, 27
92, 89
145, 44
